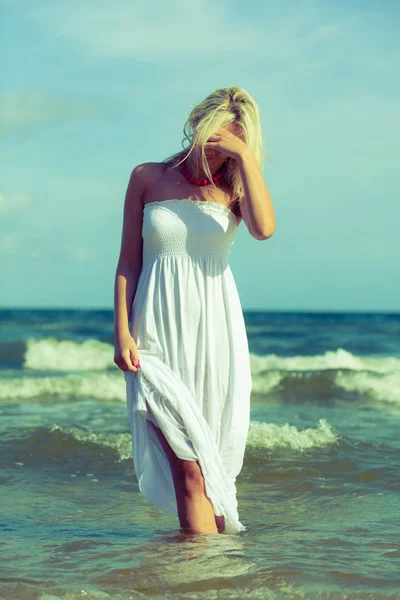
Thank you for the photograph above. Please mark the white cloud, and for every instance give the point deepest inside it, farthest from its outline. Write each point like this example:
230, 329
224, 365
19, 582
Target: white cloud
8, 244
287, 45
159, 31
80, 253
13, 203
35, 107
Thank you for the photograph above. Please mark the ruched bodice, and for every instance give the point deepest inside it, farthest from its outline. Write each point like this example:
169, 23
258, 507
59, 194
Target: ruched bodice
195, 380
193, 228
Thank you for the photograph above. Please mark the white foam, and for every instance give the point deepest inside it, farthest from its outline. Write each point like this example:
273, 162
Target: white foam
269, 435
261, 435
101, 386
92, 355
339, 359
101, 378
382, 388
266, 382
67, 355
121, 442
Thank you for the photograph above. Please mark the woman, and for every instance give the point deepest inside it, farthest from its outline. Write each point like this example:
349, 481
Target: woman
180, 336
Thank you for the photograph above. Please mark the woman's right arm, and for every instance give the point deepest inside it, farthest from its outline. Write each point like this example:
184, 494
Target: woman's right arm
128, 271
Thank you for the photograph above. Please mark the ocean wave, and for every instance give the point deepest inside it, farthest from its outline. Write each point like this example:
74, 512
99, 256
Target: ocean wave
322, 377
50, 354
271, 436
297, 379
27, 448
105, 387
384, 388
294, 387
338, 359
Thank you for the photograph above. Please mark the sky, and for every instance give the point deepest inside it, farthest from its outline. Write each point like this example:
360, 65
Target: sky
89, 90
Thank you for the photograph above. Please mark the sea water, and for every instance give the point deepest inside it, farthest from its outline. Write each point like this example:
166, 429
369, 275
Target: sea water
318, 492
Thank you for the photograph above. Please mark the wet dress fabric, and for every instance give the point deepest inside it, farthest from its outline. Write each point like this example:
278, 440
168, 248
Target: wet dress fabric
194, 382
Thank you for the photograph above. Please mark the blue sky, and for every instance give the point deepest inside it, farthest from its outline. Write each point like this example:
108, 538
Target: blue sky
91, 89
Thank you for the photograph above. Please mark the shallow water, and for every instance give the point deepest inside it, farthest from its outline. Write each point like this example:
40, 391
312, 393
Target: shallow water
318, 492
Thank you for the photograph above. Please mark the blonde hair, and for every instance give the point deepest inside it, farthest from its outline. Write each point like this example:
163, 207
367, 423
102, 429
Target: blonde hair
221, 107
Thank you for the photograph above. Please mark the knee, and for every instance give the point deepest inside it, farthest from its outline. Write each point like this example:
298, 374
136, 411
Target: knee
188, 477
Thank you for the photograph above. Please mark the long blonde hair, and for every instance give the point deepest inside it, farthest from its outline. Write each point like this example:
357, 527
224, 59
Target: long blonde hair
221, 107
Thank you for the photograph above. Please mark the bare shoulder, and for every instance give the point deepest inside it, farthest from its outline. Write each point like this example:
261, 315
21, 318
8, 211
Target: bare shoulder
146, 171
139, 181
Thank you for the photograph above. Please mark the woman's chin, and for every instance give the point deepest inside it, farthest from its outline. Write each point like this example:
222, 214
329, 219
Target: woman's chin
214, 160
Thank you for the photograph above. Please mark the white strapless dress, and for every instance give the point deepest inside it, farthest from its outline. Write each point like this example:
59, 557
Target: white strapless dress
195, 379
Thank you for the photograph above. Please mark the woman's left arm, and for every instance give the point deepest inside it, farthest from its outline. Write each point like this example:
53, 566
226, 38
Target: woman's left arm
256, 207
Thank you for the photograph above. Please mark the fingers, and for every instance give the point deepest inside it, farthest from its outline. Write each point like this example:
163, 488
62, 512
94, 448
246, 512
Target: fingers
135, 359
129, 365
128, 361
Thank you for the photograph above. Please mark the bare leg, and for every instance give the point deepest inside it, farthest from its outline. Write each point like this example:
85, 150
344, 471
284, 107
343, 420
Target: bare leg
220, 523
195, 510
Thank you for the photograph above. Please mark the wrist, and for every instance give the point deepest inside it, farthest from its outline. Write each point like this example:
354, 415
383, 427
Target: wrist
244, 156
119, 331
